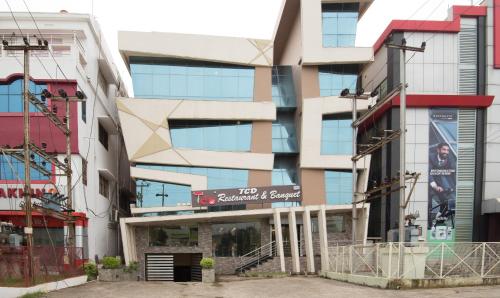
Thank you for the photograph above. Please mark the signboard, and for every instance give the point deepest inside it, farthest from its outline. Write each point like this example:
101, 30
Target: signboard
248, 195
442, 174
12, 195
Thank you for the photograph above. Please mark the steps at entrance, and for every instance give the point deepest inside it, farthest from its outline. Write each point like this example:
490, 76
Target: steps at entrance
254, 264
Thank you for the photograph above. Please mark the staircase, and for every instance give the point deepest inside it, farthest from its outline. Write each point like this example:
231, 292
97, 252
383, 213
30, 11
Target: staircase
256, 257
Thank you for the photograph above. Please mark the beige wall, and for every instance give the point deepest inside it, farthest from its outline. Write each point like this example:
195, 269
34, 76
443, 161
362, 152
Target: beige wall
313, 186
223, 49
261, 130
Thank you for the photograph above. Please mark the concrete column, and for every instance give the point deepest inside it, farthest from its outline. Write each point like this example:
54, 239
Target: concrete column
323, 239
279, 238
294, 243
306, 221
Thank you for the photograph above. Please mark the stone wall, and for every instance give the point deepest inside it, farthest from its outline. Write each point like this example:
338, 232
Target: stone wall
142, 245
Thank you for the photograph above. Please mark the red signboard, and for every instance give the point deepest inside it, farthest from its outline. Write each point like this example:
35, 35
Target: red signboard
246, 195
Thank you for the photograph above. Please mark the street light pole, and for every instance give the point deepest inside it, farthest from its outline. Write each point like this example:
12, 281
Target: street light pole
354, 170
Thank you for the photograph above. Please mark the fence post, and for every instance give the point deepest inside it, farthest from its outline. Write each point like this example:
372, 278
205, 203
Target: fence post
343, 252
482, 259
400, 248
350, 257
337, 260
389, 270
376, 258
442, 260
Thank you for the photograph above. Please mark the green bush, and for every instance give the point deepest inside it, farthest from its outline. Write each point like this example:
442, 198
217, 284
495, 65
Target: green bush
91, 270
111, 262
207, 263
132, 267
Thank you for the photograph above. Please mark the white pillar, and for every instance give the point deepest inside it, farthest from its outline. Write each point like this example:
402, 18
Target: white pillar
306, 220
279, 238
294, 243
323, 239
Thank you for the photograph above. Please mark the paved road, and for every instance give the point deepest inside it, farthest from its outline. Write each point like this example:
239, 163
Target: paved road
278, 287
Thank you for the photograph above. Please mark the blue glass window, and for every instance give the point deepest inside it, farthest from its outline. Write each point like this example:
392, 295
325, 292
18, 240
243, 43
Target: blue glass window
338, 187
282, 87
336, 135
217, 178
339, 24
284, 134
11, 95
13, 169
180, 79
334, 78
285, 173
211, 135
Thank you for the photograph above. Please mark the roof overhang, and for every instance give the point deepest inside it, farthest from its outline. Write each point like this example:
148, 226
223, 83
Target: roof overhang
239, 215
221, 49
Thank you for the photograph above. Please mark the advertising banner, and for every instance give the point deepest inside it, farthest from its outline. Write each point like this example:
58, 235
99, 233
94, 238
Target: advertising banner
248, 195
442, 174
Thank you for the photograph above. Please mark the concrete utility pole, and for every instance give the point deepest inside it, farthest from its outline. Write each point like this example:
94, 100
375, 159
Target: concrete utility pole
28, 230
402, 126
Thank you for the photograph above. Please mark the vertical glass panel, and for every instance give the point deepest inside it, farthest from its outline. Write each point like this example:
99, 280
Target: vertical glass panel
191, 79
173, 236
211, 135
338, 187
284, 133
235, 239
336, 135
334, 78
339, 24
283, 90
181, 194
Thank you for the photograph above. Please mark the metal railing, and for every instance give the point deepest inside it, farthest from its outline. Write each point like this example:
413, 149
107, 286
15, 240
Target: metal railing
422, 260
256, 256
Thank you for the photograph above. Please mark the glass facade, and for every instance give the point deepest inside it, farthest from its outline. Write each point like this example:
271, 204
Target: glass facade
336, 135
338, 187
211, 135
334, 78
285, 173
335, 224
13, 169
11, 96
284, 134
173, 236
179, 79
181, 194
282, 87
339, 24
235, 239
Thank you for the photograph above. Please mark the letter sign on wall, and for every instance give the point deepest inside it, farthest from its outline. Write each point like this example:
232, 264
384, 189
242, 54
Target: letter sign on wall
246, 195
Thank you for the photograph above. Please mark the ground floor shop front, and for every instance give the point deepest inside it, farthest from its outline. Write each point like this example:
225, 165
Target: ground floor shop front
293, 239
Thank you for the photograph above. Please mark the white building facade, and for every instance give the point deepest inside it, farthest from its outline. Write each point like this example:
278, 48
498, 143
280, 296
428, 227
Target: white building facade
78, 59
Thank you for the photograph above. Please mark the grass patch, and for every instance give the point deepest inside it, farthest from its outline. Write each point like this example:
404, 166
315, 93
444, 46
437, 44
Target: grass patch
37, 294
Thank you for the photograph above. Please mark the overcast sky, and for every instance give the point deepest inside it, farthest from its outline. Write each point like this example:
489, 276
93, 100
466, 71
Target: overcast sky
242, 18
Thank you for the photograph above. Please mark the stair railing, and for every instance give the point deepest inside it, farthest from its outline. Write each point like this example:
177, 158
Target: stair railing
256, 255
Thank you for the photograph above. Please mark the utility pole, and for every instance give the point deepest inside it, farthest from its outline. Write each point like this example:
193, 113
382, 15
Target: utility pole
402, 126
141, 185
163, 195
28, 230
28, 147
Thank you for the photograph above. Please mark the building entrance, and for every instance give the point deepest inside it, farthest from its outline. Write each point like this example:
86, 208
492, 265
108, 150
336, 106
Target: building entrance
173, 267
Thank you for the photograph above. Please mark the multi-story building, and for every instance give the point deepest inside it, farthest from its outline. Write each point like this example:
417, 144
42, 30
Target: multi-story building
78, 60
213, 113
452, 130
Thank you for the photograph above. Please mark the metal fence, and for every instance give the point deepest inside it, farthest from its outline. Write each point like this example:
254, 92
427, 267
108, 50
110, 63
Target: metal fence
422, 260
50, 264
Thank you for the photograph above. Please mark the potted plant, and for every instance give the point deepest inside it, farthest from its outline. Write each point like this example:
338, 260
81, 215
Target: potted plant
111, 269
208, 271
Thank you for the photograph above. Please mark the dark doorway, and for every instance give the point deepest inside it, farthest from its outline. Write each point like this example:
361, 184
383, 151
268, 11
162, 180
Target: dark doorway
187, 267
